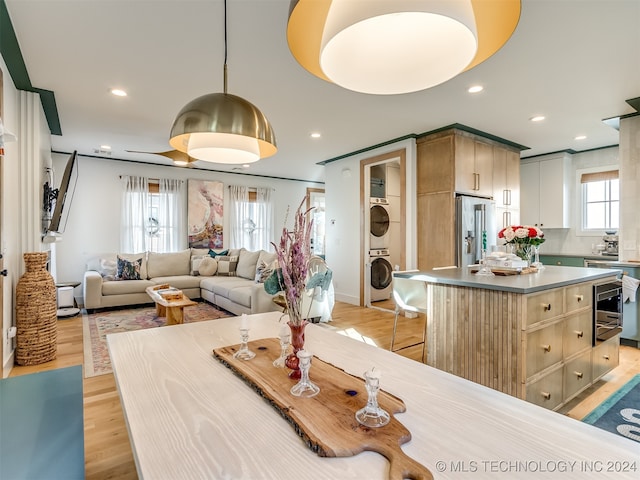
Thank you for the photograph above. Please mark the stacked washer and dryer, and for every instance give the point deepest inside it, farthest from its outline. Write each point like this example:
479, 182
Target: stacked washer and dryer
379, 256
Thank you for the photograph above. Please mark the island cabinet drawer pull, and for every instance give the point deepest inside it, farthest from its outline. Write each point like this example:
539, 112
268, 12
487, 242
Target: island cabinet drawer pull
606, 357
580, 297
546, 348
578, 374
546, 395
546, 307
580, 334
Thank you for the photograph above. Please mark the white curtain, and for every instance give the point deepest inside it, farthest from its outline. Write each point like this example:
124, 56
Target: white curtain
172, 226
264, 219
133, 229
239, 215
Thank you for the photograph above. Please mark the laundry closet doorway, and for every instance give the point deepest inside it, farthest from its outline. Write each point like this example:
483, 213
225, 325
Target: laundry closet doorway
383, 236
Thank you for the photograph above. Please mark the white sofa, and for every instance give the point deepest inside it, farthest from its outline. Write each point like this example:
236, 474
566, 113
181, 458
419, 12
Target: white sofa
236, 291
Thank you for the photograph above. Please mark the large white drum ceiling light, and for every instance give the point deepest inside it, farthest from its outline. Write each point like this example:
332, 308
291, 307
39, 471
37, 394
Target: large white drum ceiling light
397, 46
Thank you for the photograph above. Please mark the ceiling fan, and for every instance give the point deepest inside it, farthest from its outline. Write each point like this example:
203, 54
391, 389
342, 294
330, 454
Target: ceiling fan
181, 159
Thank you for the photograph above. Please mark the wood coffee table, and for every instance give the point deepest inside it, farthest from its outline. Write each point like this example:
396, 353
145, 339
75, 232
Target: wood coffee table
172, 309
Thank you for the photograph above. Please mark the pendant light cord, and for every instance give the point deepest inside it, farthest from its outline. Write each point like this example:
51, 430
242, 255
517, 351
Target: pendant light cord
225, 47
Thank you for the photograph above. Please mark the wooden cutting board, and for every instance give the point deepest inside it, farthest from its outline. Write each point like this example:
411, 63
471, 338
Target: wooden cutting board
327, 421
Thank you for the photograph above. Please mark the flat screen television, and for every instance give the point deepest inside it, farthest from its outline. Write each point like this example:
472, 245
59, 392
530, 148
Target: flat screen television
64, 197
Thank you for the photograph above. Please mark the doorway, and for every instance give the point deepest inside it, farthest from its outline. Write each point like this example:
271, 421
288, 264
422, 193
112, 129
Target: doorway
383, 218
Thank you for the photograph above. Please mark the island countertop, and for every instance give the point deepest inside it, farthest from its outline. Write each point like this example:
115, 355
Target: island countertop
550, 277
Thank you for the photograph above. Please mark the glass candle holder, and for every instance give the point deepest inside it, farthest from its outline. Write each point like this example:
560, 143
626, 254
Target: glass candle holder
284, 345
244, 353
371, 415
305, 387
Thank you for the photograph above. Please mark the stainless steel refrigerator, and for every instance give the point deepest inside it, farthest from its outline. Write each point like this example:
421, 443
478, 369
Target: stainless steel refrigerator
475, 227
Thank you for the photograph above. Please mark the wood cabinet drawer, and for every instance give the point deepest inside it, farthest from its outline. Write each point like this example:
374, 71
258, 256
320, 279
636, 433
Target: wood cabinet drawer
544, 347
547, 391
577, 375
606, 356
544, 306
577, 332
579, 296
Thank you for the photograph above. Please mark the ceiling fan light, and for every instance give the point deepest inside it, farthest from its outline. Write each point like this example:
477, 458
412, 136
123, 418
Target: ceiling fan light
225, 116
223, 148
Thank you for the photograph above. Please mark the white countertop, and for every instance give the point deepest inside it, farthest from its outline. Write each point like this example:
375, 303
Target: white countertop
189, 417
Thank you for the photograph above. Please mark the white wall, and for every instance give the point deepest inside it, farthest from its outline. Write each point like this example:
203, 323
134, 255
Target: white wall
93, 225
571, 240
345, 218
21, 191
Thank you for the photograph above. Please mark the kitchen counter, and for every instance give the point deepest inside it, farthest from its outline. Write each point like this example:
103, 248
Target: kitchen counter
588, 256
527, 335
549, 278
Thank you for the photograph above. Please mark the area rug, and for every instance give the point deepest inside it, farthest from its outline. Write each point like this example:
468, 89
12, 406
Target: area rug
620, 413
96, 327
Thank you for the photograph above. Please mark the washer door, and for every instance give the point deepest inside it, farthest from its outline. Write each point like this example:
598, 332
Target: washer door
379, 221
381, 273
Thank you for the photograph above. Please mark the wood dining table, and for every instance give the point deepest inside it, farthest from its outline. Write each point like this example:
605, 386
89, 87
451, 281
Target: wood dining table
189, 416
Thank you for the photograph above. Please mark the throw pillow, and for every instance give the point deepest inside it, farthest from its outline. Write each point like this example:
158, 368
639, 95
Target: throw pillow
227, 266
214, 254
108, 267
128, 270
264, 270
247, 262
208, 267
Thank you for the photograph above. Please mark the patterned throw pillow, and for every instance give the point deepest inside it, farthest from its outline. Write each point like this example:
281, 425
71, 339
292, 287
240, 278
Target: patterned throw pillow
227, 266
214, 254
264, 270
128, 270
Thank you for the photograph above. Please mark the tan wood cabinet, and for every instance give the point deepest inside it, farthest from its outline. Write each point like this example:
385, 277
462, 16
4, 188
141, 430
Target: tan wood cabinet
506, 186
534, 346
451, 162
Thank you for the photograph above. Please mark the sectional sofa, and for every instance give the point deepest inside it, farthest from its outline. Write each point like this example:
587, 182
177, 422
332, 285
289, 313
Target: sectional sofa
231, 280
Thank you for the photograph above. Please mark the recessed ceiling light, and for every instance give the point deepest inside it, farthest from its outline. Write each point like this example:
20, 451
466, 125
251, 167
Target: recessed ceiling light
537, 118
118, 92
105, 147
315, 135
580, 137
246, 165
475, 89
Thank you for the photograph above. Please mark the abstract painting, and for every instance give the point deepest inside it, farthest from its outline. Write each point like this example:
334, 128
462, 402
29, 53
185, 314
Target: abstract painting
205, 214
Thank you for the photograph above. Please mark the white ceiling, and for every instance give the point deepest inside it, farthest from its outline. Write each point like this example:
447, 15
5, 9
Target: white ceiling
574, 61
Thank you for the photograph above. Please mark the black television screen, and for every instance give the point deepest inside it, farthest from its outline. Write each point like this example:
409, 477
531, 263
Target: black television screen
65, 195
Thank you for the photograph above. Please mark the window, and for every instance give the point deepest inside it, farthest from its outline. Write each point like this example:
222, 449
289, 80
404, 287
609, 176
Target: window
152, 217
251, 218
600, 200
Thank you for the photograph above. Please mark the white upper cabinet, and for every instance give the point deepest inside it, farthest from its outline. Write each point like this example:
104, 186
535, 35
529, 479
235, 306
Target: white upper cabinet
544, 192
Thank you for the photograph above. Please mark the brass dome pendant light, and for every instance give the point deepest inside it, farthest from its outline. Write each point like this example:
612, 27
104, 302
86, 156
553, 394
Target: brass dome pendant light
223, 128
397, 46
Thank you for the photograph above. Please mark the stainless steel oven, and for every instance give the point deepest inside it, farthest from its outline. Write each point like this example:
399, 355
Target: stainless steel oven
607, 310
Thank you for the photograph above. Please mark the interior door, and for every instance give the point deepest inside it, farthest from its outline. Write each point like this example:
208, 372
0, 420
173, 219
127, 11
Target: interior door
2, 270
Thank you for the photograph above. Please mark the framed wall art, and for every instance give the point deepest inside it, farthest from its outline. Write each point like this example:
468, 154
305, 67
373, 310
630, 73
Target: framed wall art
205, 214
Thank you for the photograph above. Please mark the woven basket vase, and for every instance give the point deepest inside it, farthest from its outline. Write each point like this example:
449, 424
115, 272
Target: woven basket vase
36, 312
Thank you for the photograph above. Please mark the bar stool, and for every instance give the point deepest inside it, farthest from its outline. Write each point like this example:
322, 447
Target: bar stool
410, 296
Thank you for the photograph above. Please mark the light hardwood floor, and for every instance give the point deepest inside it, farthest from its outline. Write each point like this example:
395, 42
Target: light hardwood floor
107, 450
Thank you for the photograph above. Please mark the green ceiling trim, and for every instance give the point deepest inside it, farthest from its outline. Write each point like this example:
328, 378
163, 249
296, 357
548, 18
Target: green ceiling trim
10, 50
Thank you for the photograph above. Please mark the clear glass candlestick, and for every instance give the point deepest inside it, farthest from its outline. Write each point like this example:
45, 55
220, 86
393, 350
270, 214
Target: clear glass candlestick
284, 345
537, 263
485, 269
244, 353
305, 387
372, 415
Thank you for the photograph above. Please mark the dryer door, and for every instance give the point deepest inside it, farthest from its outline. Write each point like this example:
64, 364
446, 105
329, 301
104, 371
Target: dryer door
381, 273
379, 221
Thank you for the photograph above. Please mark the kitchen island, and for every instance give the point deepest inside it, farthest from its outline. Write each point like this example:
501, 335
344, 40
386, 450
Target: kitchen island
528, 335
